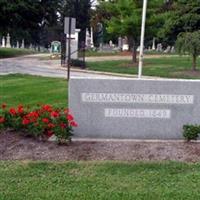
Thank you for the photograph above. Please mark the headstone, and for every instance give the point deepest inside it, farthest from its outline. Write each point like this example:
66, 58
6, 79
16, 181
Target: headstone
87, 39
154, 44
172, 49
125, 46
120, 43
159, 47
168, 49
111, 43
55, 47
91, 37
8, 41
3, 42
100, 35
31, 47
23, 44
17, 45
133, 109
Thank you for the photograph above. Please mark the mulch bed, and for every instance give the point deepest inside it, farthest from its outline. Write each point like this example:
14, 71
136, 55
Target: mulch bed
16, 147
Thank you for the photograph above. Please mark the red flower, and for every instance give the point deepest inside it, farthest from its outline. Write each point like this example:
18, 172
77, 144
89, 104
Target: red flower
33, 114
12, 111
20, 109
47, 108
55, 114
49, 133
66, 111
62, 125
2, 120
50, 125
45, 120
73, 123
3, 106
26, 121
70, 117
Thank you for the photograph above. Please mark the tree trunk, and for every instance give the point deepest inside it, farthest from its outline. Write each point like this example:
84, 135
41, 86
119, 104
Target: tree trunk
194, 62
134, 54
132, 45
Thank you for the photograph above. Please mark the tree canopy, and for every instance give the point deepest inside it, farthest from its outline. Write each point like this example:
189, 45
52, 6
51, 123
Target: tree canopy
40, 21
180, 16
123, 18
189, 42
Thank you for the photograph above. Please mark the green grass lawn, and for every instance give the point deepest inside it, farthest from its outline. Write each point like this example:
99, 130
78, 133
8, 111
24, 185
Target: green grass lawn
99, 181
24, 180
97, 53
10, 52
171, 67
31, 90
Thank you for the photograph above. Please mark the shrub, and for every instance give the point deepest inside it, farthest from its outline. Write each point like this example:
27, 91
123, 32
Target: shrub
78, 63
191, 132
43, 122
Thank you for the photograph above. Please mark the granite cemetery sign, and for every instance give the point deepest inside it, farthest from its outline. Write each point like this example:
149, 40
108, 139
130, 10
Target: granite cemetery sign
135, 109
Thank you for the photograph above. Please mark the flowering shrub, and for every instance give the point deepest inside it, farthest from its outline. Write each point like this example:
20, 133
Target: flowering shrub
44, 121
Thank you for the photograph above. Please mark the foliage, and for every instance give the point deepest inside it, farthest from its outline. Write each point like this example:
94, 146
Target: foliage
27, 19
189, 43
179, 16
191, 132
77, 63
79, 9
123, 18
10, 52
44, 121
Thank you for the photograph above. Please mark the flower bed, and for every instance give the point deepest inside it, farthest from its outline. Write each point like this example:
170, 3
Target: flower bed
42, 122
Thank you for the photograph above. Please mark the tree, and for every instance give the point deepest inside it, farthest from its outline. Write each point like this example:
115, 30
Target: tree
123, 18
189, 43
79, 9
179, 16
26, 19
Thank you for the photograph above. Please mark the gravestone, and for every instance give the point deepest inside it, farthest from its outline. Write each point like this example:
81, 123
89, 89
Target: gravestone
125, 46
23, 44
3, 42
120, 43
168, 49
133, 109
17, 45
154, 44
91, 37
56, 47
111, 43
87, 39
159, 47
172, 49
8, 41
100, 35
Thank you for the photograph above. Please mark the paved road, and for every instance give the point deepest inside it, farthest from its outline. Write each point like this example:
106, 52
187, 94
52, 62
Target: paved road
38, 65
34, 66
